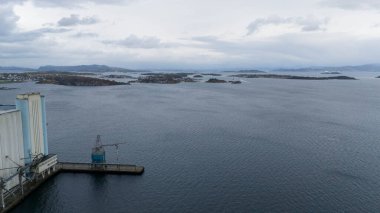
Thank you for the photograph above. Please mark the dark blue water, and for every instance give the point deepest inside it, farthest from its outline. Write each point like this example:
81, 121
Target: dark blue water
266, 145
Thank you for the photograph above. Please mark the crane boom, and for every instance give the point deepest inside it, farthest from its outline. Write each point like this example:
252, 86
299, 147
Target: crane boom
113, 144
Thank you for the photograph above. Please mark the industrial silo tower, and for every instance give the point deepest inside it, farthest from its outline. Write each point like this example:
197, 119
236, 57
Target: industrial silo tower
32, 107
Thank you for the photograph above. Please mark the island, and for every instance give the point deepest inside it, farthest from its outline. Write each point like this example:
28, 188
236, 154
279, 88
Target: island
198, 76
212, 74
276, 76
235, 82
165, 78
215, 80
72, 80
378, 76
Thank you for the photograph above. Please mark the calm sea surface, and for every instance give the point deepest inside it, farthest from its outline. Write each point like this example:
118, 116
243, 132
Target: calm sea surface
266, 145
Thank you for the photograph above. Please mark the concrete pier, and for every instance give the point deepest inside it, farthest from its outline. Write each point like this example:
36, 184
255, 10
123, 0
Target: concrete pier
20, 193
100, 168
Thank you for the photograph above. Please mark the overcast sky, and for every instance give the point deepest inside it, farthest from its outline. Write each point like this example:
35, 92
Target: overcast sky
196, 34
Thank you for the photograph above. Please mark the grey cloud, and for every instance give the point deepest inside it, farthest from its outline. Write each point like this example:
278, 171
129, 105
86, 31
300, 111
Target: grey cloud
306, 23
84, 34
306, 50
17, 36
8, 27
352, 4
29, 35
77, 20
146, 42
64, 3
218, 45
8, 20
50, 30
205, 38
17, 51
10, 33
26, 51
70, 3
6, 2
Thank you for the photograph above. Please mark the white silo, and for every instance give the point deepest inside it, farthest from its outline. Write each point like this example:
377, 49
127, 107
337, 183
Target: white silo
32, 107
11, 147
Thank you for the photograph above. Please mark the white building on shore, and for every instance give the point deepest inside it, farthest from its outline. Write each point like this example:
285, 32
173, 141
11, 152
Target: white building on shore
33, 116
11, 146
23, 139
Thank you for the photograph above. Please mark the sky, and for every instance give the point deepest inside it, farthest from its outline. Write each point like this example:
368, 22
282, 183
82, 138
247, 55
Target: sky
189, 35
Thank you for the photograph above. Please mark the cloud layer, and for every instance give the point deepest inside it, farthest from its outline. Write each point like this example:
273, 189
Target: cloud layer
182, 34
7, 20
352, 4
65, 4
9, 31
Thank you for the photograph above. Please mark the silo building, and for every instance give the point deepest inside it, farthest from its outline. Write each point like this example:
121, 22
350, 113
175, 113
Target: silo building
11, 147
23, 144
33, 116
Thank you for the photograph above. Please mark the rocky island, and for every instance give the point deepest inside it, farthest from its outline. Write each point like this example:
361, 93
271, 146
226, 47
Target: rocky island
164, 78
212, 74
215, 80
276, 76
72, 80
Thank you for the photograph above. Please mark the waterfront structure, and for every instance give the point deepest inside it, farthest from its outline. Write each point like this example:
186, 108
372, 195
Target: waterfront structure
25, 163
33, 115
24, 157
11, 147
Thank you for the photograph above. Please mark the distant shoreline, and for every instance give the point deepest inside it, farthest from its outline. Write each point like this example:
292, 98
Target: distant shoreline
295, 77
92, 79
